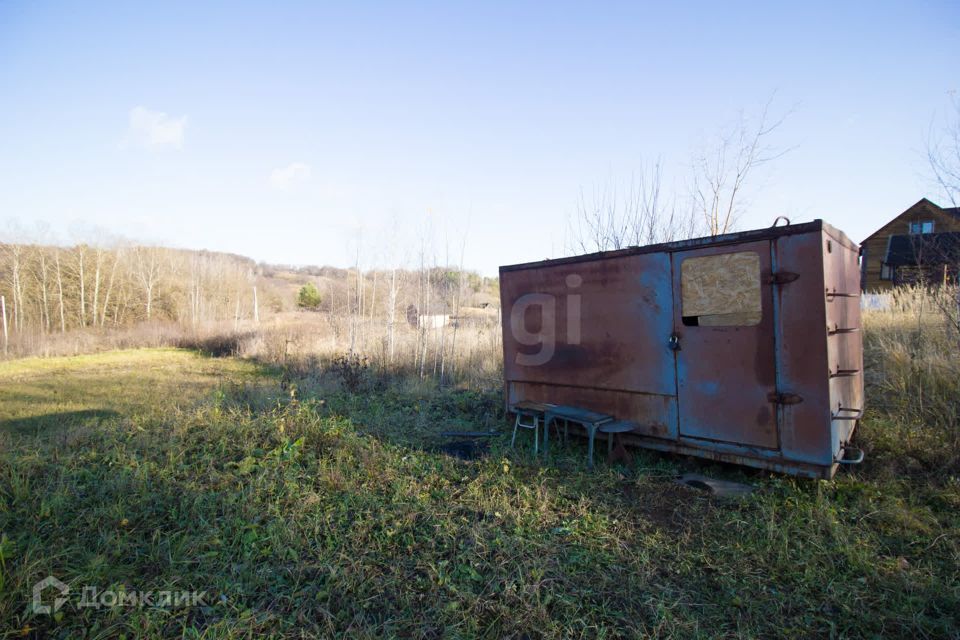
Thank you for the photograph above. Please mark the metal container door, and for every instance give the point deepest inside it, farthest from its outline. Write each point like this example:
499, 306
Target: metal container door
724, 344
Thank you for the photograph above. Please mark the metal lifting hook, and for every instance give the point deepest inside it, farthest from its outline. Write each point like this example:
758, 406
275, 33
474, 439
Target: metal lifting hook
778, 219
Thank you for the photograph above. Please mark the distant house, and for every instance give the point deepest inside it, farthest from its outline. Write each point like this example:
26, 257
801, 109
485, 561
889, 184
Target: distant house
439, 317
920, 244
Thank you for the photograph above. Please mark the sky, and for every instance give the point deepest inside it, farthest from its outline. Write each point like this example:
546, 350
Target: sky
309, 133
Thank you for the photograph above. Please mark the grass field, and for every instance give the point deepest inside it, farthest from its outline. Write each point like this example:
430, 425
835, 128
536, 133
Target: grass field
303, 508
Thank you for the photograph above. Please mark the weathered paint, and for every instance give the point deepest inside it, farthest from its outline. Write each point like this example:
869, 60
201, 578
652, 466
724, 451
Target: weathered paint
802, 350
844, 340
600, 332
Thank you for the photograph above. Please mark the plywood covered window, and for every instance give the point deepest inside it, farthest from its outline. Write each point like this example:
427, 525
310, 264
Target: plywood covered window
721, 290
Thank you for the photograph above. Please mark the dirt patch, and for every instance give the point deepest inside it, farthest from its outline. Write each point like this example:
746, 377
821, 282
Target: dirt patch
663, 505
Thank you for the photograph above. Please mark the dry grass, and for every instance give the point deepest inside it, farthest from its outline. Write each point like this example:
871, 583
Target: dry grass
912, 365
466, 355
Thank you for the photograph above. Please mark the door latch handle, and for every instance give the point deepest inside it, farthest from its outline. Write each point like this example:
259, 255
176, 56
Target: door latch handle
674, 342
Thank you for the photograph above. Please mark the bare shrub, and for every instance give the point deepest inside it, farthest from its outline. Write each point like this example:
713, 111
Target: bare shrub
352, 370
217, 345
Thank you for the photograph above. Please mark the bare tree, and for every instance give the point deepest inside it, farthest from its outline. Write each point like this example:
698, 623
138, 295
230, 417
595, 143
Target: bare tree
15, 262
148, 273
392, 312
457, 302
98, 268
611, 217
943, 156
393, 291
90, 286
720, 173
113, 274
356, 313
943, 153
41, 274
3, 314
63, 317
423, 301
615, 217
79, 256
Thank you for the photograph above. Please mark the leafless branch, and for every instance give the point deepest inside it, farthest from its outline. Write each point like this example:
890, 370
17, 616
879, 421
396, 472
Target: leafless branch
943, 154
720, 173
614, 217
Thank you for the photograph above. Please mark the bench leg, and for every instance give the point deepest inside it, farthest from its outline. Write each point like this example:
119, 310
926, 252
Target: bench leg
536, 432
593, 432
536, 437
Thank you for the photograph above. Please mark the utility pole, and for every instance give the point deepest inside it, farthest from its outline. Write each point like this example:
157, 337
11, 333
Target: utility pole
256, 306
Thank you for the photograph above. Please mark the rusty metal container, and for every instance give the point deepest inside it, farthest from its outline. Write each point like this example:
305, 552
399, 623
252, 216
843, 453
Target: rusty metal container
744, 348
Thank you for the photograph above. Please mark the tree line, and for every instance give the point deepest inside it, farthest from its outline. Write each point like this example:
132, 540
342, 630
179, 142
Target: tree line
53, 289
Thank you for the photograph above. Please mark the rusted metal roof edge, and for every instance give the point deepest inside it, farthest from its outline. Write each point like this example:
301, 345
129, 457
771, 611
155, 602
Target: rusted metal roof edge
839, 236
695, 243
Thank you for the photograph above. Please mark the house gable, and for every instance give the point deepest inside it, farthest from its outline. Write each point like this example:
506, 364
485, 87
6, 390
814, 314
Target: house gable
875, 246
943, 220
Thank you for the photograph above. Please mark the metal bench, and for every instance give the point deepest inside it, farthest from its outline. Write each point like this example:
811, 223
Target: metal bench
591, 421
612, 428
530, 415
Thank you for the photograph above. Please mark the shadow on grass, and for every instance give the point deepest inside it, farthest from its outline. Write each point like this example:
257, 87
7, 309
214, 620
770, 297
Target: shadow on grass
399, 408
39, 424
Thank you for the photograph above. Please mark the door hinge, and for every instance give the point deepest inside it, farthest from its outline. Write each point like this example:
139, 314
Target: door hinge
784, 398
781, 277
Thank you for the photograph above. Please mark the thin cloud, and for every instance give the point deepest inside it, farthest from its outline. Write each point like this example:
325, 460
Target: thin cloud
285, 178
154, 130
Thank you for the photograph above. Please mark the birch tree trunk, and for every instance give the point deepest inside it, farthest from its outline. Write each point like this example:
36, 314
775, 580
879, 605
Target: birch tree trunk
392, 314
106, 297
83, 295
63, 316
15, 252
42, 281
6, 336
96, 286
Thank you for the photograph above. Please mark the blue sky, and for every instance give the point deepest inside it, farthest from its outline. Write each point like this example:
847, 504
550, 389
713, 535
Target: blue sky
288, 131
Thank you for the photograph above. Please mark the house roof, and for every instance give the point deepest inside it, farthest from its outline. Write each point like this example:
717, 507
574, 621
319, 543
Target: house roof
951, 211
923, 248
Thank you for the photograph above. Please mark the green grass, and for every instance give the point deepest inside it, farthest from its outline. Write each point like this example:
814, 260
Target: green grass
302, 509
